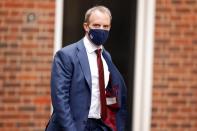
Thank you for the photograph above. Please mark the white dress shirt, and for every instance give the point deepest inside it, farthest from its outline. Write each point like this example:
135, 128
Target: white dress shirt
95, 107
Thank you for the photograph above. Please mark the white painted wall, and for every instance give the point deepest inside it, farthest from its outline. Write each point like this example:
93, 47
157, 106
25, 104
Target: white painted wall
58, 27
143, 65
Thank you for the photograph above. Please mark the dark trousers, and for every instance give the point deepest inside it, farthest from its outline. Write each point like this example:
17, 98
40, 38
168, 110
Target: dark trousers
96, 125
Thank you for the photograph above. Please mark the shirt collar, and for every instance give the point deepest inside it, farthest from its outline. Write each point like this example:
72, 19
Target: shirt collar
90, 47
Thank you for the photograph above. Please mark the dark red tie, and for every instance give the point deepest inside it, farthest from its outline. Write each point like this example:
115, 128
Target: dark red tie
101, 84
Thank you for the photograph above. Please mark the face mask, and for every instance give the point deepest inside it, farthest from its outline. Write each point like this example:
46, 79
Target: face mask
98, 36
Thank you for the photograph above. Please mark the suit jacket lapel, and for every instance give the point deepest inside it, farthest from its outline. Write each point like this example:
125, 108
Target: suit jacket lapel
83, 60
112, 69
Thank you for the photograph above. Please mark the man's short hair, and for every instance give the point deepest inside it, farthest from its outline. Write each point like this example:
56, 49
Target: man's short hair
102, 9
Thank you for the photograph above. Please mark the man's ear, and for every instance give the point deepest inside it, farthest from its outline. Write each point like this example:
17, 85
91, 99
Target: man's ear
85, 26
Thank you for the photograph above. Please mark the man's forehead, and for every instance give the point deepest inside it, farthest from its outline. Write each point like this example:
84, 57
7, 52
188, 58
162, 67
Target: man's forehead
96, 13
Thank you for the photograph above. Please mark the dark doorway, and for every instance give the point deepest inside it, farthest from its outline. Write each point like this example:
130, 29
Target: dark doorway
121, 42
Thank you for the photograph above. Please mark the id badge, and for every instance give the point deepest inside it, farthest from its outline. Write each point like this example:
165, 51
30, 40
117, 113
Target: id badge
111, 100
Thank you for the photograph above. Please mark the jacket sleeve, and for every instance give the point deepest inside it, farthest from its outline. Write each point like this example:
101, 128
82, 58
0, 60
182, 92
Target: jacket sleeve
61, 76
122, 116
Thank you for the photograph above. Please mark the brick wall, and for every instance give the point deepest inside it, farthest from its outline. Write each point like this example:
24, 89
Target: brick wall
26, 49
175, 66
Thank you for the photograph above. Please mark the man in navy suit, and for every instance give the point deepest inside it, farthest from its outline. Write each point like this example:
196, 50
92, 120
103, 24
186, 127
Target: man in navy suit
88, 92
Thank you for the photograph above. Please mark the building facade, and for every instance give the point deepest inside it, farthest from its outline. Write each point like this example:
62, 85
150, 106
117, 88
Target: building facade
27, 35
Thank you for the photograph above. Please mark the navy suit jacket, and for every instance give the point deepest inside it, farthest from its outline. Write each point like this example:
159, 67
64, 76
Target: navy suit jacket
71, 89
